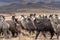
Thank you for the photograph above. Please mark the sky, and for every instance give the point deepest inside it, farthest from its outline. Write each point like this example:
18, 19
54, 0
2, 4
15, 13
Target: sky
27, 0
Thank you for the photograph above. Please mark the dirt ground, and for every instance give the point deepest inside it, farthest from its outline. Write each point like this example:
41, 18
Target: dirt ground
30, 37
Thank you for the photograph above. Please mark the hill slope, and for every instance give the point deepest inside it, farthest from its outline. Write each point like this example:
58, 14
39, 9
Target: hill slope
39, 5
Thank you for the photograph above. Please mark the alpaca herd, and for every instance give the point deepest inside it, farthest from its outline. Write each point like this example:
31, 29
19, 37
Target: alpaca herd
31, 23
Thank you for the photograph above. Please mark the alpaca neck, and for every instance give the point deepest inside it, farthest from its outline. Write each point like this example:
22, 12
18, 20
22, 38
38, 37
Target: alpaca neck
54, 24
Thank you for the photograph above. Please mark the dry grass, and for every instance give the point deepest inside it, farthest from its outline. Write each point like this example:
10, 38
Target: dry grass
30, 37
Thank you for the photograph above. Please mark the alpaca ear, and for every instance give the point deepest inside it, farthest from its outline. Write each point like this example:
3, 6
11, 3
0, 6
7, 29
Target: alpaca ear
50, 16
3, 17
